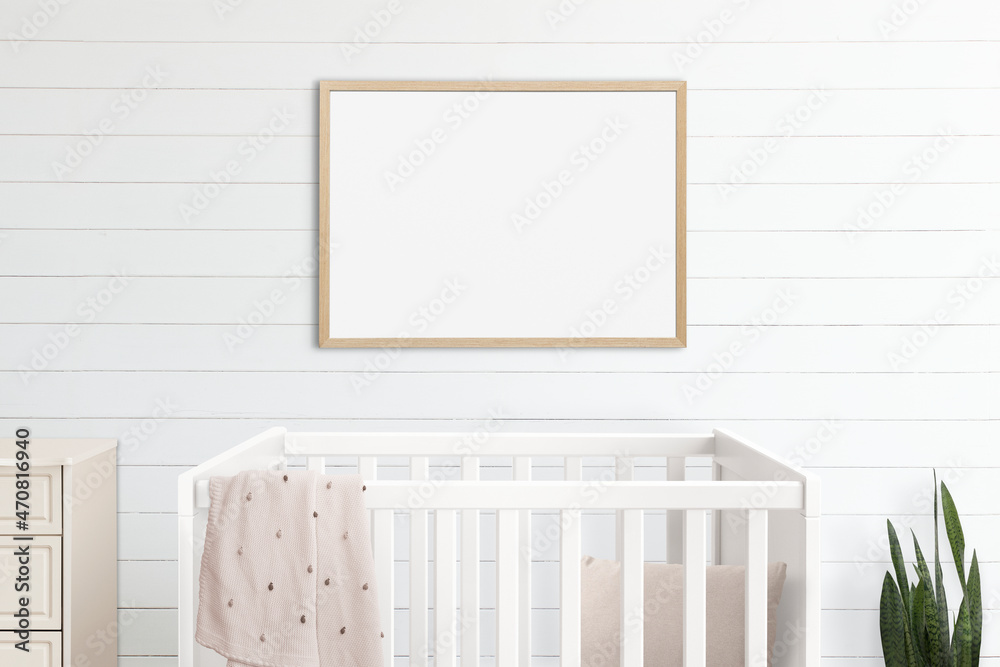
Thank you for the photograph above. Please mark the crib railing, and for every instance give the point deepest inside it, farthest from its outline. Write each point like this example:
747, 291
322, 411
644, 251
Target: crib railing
748, 486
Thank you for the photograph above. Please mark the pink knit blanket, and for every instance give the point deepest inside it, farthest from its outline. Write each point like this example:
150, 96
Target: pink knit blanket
287, 576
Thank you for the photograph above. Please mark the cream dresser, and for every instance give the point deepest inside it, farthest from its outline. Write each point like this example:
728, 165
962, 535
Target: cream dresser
72, 554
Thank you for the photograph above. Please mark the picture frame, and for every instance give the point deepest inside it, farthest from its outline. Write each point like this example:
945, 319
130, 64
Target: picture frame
502, 214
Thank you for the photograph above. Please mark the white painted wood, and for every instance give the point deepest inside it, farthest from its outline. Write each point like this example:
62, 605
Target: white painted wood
816, 207
508, 592
722, 301
570, 603
821, 443
89, 552
756, 587
368, 467
45, 650
695, 599
740, 66
316, 464
383, 537
45, 555
522, 473
716, 517
811, 595
787, 349
470, 616
500, 444
445, 599
632, 590
171, 112
624, 471
45, 515
885, 159
517, 21
676, 472
418, 562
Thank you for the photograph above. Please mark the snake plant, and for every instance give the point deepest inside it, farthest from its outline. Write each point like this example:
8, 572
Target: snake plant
914, 619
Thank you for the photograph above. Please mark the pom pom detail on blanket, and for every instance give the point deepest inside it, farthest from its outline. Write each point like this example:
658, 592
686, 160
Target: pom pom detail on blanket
287, 577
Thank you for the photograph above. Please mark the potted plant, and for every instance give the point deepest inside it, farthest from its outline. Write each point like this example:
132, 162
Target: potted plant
914, 619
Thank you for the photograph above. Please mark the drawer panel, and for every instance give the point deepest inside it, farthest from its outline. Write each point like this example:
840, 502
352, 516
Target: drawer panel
44, 650
45, 514
44, 580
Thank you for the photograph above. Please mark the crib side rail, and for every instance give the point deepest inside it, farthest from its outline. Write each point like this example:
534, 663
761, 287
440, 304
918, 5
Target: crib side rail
622, 445
261, 452
749, 461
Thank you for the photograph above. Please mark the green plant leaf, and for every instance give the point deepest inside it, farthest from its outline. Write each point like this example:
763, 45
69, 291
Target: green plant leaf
891, 624
962, 644
898, 564
974, 596
923, 574
942, 598
953, 527
935, 652
918, 625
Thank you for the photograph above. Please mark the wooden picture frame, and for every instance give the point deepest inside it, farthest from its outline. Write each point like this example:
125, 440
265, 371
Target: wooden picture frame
422, 180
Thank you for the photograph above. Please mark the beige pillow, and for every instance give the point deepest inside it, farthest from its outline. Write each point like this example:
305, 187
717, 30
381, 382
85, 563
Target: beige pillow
663, 601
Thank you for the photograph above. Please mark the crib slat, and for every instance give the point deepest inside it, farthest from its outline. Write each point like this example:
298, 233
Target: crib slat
676, 472
444, 589
569, 573
384, 575
367, 467
316, 463
756, 588
470, 572
716, 520
508, 560
624, 472
418, 571
522, 472
632, 589
695, 650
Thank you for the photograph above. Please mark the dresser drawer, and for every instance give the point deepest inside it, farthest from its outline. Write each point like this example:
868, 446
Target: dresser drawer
44, 650
45, 500
44, 579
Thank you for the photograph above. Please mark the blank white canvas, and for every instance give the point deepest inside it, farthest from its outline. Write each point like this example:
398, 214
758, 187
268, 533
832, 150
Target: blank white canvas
425, 193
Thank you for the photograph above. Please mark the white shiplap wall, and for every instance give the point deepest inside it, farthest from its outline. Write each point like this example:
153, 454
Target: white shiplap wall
152, 365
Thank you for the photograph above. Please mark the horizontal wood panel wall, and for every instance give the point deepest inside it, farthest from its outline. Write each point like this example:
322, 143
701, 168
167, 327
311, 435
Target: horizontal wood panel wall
854, 268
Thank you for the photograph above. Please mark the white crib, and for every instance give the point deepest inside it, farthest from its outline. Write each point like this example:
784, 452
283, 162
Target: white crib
759, 509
